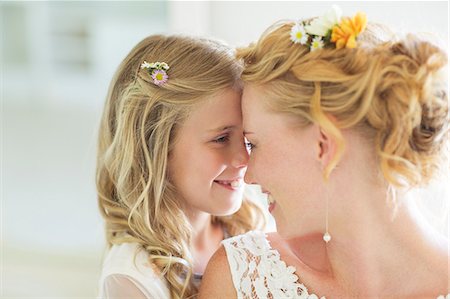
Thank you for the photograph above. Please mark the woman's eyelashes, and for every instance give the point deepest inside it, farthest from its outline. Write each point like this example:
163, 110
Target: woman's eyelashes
249, 145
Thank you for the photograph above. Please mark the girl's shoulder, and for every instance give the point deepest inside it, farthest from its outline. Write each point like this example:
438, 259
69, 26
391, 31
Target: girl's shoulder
129, 261
130, 258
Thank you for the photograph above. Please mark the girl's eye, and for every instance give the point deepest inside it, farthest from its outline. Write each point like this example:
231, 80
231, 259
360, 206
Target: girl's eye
222, 139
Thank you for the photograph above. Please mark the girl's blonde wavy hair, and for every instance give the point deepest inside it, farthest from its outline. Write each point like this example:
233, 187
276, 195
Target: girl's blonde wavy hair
139, 124
394, 91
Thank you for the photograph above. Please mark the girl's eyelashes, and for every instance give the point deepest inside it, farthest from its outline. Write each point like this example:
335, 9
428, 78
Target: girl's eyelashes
222, 139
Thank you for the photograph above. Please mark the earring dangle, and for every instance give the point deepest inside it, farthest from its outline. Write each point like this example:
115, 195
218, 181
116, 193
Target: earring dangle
326, 235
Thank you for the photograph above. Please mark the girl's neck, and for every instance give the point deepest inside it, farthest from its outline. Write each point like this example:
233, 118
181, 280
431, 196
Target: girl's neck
201, 224
204, 231
205, 240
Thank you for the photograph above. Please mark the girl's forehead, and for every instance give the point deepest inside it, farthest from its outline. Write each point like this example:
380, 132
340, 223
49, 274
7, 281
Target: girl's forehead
220, 111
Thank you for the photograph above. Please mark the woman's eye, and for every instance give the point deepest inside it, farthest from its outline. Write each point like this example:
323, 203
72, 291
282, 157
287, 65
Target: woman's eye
249, 145
222, 139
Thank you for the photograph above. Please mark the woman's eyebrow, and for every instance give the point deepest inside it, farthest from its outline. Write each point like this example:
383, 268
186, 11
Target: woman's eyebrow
248, 132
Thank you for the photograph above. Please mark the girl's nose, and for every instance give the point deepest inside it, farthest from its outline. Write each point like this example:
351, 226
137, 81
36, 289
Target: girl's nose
240, 158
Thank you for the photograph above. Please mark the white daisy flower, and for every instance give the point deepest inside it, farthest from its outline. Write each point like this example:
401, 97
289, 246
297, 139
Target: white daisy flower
317, 43
164, 65
323, 24
145, 65
298, 34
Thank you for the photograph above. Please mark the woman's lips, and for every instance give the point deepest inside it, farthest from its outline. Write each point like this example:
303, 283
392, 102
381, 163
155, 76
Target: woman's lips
271, 202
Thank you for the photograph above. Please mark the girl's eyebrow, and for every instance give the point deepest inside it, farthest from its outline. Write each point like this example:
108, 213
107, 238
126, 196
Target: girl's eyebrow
222, 128
248, 133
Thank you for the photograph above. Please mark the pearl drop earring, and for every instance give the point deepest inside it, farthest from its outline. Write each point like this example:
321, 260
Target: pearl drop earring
326, 236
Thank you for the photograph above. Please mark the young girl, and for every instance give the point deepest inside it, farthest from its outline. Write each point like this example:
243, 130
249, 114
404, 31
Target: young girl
170, 167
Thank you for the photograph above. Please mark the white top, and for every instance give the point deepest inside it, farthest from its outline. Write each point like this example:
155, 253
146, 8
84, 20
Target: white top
126, 274
258, 272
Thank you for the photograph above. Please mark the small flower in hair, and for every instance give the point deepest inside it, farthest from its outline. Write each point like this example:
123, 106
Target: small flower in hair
146, 65
345, 34
157, 70
159, 77
317, 43
329, 29
298, 34
322, 25
164, 66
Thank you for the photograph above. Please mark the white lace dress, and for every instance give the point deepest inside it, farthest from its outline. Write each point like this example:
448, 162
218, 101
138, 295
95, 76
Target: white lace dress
258, 272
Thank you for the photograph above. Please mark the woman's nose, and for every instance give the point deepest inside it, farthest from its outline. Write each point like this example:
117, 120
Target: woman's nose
249, 176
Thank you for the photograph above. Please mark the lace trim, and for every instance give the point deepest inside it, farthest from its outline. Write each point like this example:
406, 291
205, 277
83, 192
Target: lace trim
258, 271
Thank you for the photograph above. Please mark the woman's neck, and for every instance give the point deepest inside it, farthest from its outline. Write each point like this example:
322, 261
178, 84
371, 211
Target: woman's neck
371, 251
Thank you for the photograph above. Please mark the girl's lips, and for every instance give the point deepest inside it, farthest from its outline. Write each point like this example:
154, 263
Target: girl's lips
230, 184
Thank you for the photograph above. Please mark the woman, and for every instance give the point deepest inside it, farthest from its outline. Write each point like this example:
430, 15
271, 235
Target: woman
343, 121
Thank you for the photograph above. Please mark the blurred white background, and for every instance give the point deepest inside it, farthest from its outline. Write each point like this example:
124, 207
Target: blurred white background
56, 62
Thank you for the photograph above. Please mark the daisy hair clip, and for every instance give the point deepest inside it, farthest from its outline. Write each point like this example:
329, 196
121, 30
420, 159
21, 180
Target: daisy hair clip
158, 71
329, 29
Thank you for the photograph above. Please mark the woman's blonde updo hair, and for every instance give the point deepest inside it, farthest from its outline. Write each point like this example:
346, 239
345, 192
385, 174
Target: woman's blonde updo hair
393, 90
136, 197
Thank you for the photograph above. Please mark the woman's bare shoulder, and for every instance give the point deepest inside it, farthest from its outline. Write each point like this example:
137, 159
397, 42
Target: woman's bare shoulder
217, 281
274, 239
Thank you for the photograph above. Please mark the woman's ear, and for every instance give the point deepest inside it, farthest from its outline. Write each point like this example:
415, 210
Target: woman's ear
327, 148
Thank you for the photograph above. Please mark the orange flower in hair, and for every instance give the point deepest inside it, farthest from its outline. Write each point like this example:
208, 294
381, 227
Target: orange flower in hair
345, 34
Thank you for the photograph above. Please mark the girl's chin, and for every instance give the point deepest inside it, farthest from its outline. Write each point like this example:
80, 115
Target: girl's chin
229, 210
